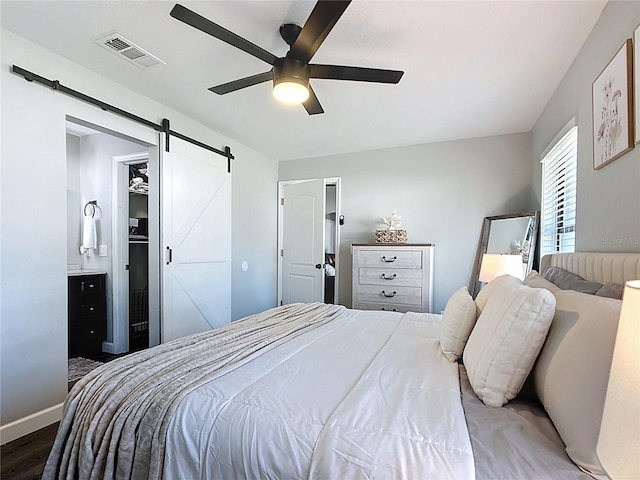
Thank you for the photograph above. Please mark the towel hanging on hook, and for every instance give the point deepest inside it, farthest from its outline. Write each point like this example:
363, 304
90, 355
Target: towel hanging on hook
93, 204
89, 235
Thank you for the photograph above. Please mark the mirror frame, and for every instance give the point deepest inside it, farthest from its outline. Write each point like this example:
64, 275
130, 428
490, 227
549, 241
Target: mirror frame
475, 284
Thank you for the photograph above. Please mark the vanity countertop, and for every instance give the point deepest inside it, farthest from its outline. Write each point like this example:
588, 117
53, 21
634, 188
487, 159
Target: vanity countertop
76, 272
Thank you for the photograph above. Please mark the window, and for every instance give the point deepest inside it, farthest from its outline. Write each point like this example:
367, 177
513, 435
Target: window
559, 167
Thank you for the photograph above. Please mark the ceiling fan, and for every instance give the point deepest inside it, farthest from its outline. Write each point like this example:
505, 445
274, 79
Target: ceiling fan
291, 73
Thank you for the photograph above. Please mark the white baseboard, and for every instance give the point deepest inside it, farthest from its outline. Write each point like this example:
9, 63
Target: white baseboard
108, 347
30, 423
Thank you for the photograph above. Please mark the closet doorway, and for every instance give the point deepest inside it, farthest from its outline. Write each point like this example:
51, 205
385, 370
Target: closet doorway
136, 237
330, 242
138, 264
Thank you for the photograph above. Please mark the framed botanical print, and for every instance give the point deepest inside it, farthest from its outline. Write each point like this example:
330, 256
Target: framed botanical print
636, 80
612, 94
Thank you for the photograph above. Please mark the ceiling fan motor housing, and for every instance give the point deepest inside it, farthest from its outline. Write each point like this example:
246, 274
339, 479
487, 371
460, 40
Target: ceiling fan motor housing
290, 70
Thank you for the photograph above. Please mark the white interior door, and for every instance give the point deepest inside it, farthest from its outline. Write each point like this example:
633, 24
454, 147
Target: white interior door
196, 240
303, 241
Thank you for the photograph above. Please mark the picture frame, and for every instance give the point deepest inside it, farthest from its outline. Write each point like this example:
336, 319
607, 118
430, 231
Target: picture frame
636, 80
612, 108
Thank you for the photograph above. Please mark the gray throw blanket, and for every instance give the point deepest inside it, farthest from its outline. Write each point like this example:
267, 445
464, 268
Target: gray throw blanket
115, 418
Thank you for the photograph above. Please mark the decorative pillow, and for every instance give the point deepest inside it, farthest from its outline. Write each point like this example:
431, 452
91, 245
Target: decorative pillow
457, 321
506, 340
572, 372
489, 288
570, 281
534, 280
611, 290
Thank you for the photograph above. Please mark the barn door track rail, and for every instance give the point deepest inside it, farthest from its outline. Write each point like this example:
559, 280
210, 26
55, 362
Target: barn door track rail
163, 127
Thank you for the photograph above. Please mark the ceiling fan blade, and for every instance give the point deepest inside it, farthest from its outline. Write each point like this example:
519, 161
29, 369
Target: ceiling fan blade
242, 83
322, 19
312, 104
357, 74
207, 26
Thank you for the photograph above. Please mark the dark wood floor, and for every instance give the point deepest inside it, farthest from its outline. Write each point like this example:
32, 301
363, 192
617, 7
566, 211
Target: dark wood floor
24, 458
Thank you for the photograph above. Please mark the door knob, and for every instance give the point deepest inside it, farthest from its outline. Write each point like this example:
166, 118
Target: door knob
319, 266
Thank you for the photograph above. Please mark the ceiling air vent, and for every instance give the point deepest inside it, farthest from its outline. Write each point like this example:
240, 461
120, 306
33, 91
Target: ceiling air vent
116, 43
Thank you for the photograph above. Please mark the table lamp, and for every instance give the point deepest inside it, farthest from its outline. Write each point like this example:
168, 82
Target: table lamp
619, 441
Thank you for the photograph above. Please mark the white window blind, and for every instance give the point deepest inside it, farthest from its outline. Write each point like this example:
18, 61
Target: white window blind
559, 169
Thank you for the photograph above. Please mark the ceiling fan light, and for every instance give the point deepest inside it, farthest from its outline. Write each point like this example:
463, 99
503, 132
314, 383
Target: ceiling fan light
290, 90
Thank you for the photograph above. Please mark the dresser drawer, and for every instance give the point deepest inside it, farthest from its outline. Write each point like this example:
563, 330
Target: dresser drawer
390, 258
87, 285
92, 310
90, 327
404, 277
386, 307
390, 295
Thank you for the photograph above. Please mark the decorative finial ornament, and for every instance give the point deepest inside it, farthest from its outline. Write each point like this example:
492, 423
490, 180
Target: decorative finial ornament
393, 221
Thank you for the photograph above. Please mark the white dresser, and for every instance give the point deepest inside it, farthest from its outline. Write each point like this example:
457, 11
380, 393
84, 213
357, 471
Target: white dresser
393, 277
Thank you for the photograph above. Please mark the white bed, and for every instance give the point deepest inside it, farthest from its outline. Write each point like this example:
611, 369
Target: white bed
340, 394
350, 399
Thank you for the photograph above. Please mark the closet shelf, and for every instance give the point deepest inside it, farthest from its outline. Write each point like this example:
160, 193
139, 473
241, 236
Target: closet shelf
138, 239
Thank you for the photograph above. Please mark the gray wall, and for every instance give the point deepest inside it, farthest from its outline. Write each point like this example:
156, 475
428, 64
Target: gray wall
33, 210
254, 237
442, 191
608, 200
74, 214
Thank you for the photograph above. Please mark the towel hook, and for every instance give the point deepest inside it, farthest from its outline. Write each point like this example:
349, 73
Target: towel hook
93, 204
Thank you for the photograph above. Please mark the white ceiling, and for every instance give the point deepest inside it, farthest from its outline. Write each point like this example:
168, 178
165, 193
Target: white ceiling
472, 68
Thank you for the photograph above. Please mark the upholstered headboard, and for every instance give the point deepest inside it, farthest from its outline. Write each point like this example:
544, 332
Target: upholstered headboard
596, 266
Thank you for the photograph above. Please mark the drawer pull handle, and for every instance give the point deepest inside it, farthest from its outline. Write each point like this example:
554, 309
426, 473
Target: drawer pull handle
391, 260
392, 310
389, 295
86, 286
92, 332
384, 275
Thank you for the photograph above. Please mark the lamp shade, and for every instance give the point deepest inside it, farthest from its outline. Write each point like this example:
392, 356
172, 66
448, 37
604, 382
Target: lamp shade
619, 441
291, 91
493, 265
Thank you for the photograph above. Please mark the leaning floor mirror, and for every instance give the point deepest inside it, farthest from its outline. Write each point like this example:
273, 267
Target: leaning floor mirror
513, 234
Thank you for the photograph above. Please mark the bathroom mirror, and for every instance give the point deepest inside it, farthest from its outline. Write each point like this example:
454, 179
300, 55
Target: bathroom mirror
508, 234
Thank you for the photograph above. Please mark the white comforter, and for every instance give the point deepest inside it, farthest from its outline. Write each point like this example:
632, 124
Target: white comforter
368, 395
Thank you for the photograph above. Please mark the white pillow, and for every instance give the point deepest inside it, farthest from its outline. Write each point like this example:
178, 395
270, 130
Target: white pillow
572, 372
492, 286
457, 321
506, 340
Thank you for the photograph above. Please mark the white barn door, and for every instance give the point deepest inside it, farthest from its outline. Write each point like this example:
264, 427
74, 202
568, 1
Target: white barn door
303, 241
196, 240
